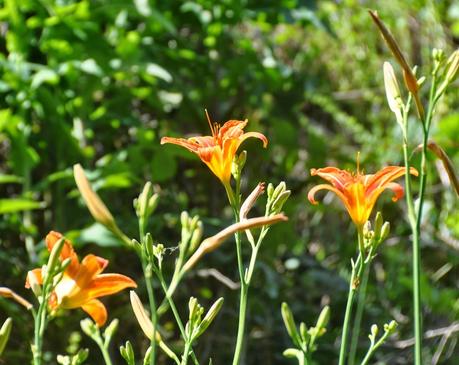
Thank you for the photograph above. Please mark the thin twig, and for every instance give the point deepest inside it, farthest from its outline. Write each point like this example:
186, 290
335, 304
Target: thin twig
220, 277
454, 327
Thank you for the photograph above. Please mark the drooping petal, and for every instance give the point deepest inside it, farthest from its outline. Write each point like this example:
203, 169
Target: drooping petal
96, 309
385, 176
34, 275
190, 146
316, 188
107, 284
397, 189
258, 135
67, 251
339, 178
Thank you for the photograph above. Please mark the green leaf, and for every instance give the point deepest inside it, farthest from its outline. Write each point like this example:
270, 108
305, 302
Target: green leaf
17, 205
44, 76
7, 179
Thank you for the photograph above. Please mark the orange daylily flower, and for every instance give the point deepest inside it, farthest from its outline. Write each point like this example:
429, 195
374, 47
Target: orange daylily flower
218, 150
82, 282
359, 192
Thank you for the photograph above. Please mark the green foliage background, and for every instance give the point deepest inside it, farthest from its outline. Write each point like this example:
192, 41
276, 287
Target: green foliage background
100, 82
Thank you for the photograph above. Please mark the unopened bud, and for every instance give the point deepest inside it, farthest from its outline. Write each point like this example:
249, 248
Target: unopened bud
141, 202
89, 327
196, 237
374, 330
5, 334
385, 230
378, 224
280, 201
390, 327
209, 317
251, 199
54, 256
323, 319
185, 220
393, 95
127, 352
289, 323
111, 330
453, 66
270, 190
96, 206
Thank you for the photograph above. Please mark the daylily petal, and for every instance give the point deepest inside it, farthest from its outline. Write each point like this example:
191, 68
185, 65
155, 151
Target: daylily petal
190, 146
90, 266
316, 188
385, 176
67, 250
339, 178
96, 309
232, 128
107, 284
37, 277
258, 135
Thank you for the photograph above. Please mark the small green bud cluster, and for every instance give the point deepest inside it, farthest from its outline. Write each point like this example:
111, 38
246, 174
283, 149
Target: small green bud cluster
374, 237
78, 359
197, 325
238, 164
277, 196
303, 338
146, 203
127, 352
192, 229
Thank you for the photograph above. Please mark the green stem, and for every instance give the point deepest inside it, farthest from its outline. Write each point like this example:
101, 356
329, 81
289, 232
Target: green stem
104, 351
358, 316
373, 348
147, 272
353, 286
241, 323
176, 314
186, 352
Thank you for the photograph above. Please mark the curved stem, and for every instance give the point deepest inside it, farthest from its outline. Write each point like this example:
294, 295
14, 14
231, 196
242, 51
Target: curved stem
358, 316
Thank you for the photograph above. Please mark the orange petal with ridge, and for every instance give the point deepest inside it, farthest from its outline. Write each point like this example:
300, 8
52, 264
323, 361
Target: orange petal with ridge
96, 309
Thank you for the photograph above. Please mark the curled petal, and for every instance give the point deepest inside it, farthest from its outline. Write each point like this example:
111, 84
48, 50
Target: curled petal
258, 135
385, 176
232, 128
397, 189
96, 309
315, 189
339, 178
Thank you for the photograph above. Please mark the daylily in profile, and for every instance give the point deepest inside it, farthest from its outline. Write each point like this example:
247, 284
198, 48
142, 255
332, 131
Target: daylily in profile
218, 150
359, 192
82, 282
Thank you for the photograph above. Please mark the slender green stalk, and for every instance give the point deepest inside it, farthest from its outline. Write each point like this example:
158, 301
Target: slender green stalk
186, 353
147, 272
353, 286
374, 347
103, 350
358, 316
176, 313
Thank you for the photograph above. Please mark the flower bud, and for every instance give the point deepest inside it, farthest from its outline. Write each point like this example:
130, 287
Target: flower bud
251, 200
292, 353
304, 332
209, 317
89, 327
393, 95
289, 323
452, 66
270, 190
127, 353
385, 229
5, 334
374, 330
111, 330
8, 293
278, 204
96, 206
323, 319
54, 256
378, 224
391, 326
196, 237
141, 203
